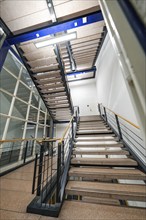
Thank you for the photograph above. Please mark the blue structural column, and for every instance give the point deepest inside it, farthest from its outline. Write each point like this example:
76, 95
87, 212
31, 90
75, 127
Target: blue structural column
3, 53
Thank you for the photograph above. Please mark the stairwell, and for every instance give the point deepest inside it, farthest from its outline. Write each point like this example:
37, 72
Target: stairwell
99, 161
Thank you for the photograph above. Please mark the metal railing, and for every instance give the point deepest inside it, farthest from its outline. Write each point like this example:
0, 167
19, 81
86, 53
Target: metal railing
51, 169
16, 152
127, 132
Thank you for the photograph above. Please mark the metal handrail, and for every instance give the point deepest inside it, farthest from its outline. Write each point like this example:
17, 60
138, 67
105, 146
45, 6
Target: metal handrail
129, 122
66, 130
31, 139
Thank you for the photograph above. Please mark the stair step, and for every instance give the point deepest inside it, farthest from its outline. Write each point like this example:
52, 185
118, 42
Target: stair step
94, 200
100, 152
90, 118
96, 139
107, 190
104, 161
98, 145
92, 128
79, 210
107, 173
95, 135
95, 131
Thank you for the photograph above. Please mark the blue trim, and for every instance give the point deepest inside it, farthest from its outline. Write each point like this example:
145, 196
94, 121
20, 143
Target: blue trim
82, 72
3, 53
59, 27
135, 22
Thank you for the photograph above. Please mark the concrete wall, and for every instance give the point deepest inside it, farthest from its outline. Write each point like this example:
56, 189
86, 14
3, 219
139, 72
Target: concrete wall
83, 94
110, 85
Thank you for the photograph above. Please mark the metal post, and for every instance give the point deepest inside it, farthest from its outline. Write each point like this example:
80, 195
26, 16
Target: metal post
72, 130
58, 173
34, 174
25, 152
62, 152
99, 109
40, 170
119, 128
105, 115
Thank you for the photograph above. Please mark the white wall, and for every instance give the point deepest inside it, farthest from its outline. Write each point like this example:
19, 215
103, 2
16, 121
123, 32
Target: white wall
111, 88
83, 94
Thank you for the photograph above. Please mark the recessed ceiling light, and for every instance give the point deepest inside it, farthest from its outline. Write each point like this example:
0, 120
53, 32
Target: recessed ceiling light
56, 40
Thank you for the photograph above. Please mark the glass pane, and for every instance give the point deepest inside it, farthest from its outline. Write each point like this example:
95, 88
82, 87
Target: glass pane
23, 92
20, 109
12, 64
42, 118
25, 77
43, 107
5, 101
40, 132
35, 100
2, 125
15, 129
7, 81
33, 114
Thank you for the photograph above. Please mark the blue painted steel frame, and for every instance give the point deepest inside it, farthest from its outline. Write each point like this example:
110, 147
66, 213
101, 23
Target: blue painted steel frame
55, 28
3, 53
134, 21
82, 72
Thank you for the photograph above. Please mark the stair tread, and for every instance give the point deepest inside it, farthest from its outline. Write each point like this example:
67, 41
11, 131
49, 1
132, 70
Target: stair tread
107, 190
100, 200
101, 152
107, 173
105, 161
80, 210
98, 131
99, 145
94, 138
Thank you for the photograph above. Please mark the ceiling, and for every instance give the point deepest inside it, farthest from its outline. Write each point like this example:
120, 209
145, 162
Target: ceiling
52, 66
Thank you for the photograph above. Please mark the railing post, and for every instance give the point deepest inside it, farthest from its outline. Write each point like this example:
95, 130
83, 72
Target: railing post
62, 153
25, 153
119, 128
34, 174
99, 109
58, 174
105, 113
40, 170
72, 127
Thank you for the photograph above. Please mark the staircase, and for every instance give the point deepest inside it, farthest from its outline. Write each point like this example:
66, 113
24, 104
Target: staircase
103, 176
47, 72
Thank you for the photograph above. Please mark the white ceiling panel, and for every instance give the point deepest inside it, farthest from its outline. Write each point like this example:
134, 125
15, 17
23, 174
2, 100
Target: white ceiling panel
20, 14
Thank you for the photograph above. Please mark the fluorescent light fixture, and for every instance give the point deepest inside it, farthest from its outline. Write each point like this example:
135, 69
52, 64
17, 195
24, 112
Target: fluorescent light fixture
56, 40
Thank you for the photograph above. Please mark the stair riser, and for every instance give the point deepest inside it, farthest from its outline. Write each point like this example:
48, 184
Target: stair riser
109, 195
107, 177
101, 153
105, 163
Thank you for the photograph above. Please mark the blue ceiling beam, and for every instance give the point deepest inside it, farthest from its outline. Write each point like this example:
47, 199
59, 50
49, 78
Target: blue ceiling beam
56, 27
82, 72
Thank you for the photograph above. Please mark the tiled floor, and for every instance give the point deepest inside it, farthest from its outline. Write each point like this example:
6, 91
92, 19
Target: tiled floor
15, 195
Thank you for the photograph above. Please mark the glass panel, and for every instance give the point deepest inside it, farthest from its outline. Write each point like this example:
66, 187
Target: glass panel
43, 107
5, 101
35, 100
42, 118
15, 129
12, 64
20, 109
23, 92
7, 81
40, 132
33, 114
25, 77
2, 125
